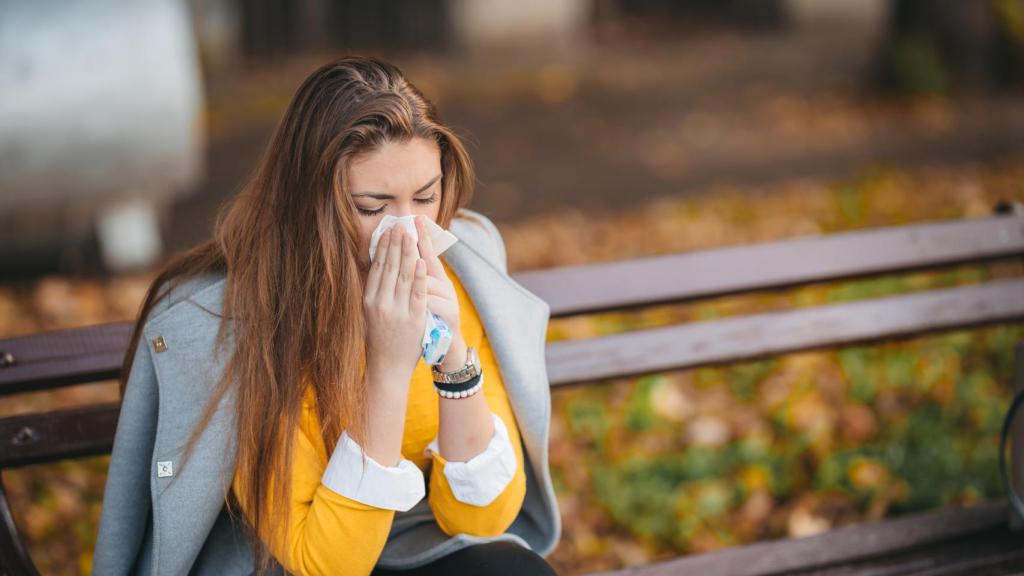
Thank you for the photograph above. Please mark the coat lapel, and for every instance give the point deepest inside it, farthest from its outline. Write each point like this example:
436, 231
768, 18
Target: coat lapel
187, 502
515, 322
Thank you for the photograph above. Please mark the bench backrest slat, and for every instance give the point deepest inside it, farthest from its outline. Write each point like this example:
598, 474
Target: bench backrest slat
64, 358
70, 433
723, 271
93, 353
774, 333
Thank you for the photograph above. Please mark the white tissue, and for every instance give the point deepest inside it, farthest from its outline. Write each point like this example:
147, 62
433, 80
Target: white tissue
437, 337
440, 238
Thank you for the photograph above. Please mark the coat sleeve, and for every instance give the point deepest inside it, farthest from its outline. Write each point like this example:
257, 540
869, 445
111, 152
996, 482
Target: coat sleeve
329, 532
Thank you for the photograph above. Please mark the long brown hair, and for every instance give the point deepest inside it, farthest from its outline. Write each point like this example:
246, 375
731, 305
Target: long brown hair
287, 244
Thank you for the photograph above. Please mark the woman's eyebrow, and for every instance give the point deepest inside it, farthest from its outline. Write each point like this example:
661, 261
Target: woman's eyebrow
382, 196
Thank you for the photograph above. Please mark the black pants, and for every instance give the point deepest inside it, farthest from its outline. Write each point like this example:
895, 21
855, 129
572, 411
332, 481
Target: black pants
491, 559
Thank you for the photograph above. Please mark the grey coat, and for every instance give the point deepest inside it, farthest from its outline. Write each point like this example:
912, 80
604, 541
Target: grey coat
150, 525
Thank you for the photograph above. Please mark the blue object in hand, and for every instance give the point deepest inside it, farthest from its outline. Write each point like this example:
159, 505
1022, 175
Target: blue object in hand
437, 338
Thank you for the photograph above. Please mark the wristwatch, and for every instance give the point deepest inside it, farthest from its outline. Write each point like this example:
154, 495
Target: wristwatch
461, 375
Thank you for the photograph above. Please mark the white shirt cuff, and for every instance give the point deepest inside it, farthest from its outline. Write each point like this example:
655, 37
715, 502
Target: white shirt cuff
484, 477
391, 487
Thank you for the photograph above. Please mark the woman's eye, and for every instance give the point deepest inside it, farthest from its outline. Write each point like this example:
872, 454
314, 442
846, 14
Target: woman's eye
366, 212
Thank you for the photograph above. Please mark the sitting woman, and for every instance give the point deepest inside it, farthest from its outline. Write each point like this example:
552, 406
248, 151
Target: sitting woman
278, 409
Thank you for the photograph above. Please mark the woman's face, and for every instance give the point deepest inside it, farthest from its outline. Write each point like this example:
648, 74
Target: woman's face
400, 178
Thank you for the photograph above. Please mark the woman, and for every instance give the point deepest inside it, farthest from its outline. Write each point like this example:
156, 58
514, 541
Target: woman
276, 412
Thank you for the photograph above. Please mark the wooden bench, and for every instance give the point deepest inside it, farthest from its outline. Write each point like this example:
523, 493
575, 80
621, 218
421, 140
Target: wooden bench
957, 541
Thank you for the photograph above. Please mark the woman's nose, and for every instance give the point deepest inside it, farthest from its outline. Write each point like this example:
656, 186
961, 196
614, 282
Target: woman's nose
403, 211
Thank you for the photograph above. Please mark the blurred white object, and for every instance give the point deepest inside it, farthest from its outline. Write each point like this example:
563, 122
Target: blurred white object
129, 235
544, 25
867, 18
100, 103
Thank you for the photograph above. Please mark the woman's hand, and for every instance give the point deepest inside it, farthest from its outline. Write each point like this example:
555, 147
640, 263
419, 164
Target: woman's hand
441, 297
395, 306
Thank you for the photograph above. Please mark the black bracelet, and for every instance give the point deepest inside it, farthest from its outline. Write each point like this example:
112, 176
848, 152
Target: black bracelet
459, 387
466, 394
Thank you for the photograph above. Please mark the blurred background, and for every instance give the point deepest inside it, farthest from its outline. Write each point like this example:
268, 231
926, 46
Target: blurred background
601, 130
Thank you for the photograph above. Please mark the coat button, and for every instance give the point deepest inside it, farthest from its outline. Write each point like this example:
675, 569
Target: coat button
158, 344
165, 469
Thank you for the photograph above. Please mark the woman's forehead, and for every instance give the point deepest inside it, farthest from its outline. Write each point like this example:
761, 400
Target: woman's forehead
395, 167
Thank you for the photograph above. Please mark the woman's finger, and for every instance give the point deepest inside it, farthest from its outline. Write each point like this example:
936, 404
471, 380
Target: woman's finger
406, 270
376, 266
418, 299
392, 263
426, 246
437, 287
435, 303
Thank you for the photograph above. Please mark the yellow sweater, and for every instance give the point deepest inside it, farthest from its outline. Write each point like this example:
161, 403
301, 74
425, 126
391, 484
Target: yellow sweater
329, 533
